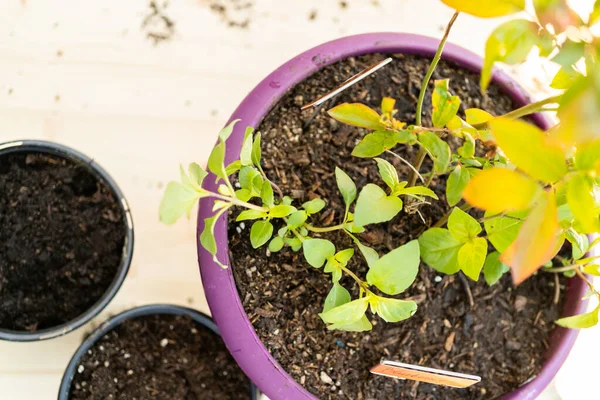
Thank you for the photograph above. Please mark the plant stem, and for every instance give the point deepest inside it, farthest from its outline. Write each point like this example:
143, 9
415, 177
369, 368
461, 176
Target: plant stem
501, 215
360, 282
587, 281
442, 221
324, 229
525, 110
237, 202
559, 270
414, 170
418, 117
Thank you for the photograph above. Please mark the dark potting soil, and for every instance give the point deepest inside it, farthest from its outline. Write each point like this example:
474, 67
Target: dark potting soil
159, 357
502, 337
61, 240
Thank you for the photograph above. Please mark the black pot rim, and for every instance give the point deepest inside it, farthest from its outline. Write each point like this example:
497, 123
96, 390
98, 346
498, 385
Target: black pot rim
68, 153
111, 323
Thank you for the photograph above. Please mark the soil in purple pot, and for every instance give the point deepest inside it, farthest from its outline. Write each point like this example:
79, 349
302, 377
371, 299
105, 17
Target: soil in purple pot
61, 240
502, 337
159, 357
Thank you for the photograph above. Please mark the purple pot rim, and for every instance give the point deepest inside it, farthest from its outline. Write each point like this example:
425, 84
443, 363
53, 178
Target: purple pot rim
219, 284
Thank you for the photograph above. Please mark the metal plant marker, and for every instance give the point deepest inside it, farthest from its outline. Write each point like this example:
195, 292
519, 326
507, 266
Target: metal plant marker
399, 370
347, 83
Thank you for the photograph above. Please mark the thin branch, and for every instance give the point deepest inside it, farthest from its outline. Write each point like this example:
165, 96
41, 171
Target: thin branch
407, 163
530, 108
467, 288
556, 289
324, 229
418, 117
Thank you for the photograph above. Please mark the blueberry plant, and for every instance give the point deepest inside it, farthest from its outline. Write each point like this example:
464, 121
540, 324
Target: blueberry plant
537, 189
278, 223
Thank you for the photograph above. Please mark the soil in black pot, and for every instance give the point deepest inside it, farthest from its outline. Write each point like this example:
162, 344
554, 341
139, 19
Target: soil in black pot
61, 240
159, 357
502, 337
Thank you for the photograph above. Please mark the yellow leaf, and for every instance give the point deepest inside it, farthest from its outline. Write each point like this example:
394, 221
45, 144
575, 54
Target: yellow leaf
578, 112
475, 116
587, 157
487, 8
387, 106
582, 203
529, 149
501, 190
357, 114
536, 243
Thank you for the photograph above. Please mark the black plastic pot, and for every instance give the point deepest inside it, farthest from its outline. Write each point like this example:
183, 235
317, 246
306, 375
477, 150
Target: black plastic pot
41, 146
88, 343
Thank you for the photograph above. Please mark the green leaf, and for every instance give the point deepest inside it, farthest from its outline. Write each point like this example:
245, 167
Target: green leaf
313, 206
377, 142
317, 251
246, 152
344, 256
177, 200
388, 172
462, 226
374, 206
510, 43
493, 268
243, 194
580, 321
216, 161
362, 325
337, 296
445, 106
281, 210
266, 194
581, 200
260, 233
276, 244
569, 53
346, 186
565, 77
250, 214
346, 313
233, 167
580, 243
207, 237
333, 266
226, 132
467, 150
393, 310
587, 157
196, 175
503, 231
457, 182
439, 250
296, 219
256, 154
416, 191
516, 138
357, 114
368, 253
396, 271
438, 150
471, 257
595, 14
487, 8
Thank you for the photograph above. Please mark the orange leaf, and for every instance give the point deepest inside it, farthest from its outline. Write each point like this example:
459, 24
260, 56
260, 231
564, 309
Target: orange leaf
500, 189
536, 243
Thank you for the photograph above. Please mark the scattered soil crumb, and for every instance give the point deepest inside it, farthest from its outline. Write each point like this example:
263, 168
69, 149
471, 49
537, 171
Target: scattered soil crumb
235, 13
157, 25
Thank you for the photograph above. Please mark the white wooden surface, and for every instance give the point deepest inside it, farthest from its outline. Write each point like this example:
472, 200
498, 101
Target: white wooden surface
83, 73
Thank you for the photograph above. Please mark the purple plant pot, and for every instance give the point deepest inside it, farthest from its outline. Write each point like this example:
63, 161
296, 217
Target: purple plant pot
219, 285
